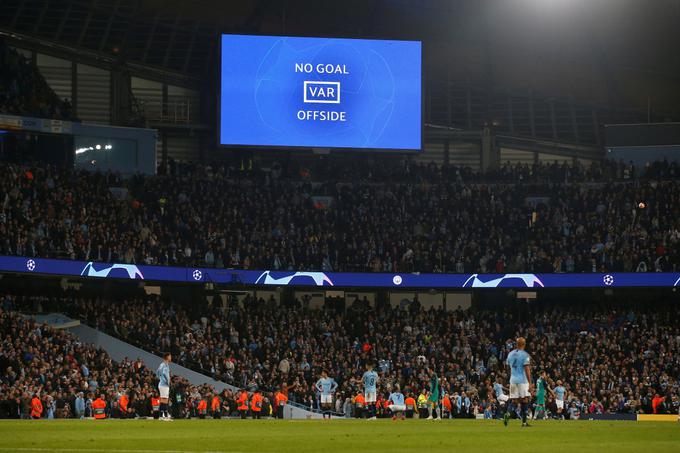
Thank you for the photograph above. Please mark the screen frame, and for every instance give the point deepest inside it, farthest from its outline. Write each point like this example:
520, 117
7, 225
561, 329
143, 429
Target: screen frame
332, 149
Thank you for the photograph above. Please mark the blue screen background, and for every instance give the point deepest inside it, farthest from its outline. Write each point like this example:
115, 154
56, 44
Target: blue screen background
261, 93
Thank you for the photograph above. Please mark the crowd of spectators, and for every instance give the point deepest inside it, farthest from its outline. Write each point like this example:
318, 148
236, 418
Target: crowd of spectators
66, 376
612, 359
24, 90
222, 217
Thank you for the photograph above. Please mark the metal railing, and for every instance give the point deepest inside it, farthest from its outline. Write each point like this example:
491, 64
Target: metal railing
176, 111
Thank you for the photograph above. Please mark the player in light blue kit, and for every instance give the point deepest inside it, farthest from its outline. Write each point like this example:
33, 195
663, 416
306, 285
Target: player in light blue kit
501, 397
559, 393
163, 375
326, 386
370, 382
520, 379
397, 403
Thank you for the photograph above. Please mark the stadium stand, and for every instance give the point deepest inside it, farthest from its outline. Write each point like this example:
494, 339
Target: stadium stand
611, 360
520, 219
24, 91
380, 213
67, 376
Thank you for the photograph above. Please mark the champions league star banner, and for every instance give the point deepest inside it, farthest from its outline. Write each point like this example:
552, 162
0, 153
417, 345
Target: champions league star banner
24, 265
320, 92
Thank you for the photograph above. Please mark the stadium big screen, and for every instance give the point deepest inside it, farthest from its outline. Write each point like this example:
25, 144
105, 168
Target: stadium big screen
320, 92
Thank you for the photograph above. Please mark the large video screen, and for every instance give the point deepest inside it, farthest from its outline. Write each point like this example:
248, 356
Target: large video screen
320, 92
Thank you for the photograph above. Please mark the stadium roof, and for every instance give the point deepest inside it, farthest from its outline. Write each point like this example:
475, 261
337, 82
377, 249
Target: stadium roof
619, 52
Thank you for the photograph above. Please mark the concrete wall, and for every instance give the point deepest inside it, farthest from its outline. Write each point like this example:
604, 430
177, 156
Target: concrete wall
427, 299
437, 299
317, 298
455, 300
351, 295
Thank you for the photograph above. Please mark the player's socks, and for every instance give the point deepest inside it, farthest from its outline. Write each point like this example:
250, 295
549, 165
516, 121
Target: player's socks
523, 411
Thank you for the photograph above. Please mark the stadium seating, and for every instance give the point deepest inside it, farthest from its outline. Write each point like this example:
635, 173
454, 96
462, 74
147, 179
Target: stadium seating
24, 91
68, 376
612, 360
414, 218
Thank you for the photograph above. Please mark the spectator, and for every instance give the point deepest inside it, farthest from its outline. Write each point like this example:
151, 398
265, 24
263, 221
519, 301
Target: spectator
377, 226
608, 358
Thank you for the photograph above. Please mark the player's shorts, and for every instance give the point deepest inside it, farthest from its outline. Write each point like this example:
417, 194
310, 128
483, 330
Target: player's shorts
164, 391
519, 391
559, 404
370, 397
397, 407
326, 399
502, 398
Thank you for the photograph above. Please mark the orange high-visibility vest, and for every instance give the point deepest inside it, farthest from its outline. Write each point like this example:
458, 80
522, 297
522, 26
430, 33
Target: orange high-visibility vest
155, 404
202, 407
123, 403
99, 406
447, 403
280, 399
243, 401
256, 403
36, 407
410, 403
360, 401
215, 406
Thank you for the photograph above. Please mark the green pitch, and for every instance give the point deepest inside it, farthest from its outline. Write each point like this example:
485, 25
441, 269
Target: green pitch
336, 435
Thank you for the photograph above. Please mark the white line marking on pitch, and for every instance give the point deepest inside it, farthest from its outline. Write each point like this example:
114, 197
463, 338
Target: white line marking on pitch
110, 450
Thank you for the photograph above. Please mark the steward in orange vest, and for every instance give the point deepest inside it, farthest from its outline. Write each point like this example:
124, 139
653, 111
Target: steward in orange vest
36, 406
280, 400
242, 402
155, 407
359, 405
202, 408
123, 402
216, 407
256, 404
99, 408
446, 402
410, 406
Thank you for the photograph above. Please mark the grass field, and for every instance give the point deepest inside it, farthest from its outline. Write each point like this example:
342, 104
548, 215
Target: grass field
338, 435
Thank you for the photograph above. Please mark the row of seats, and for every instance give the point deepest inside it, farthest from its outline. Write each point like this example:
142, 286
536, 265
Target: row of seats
222, 217
614, 358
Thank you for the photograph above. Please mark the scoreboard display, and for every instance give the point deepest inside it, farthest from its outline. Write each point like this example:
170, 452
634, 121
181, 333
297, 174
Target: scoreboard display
320, 93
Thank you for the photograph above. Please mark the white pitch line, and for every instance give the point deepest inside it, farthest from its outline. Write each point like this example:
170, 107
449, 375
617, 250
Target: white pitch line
103, 450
